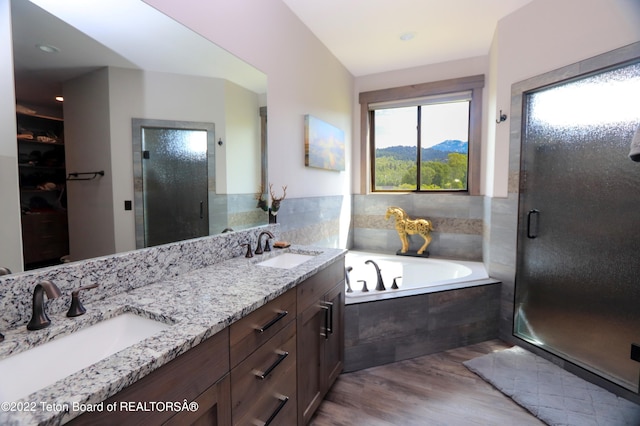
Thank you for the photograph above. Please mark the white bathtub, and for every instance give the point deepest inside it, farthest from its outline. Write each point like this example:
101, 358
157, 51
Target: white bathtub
417, 275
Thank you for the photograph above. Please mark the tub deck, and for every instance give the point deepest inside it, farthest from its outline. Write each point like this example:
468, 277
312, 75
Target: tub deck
418, 275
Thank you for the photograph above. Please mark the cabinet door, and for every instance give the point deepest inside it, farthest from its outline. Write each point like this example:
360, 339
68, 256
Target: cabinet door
214, 407
334, 342
311, 324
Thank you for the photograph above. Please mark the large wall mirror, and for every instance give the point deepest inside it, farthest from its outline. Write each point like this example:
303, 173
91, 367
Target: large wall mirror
114, 61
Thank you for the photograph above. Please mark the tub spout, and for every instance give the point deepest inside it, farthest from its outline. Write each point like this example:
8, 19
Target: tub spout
379, 284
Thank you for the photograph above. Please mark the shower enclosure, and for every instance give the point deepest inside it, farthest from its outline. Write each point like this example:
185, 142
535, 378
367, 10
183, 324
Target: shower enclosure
578, 269
172, 177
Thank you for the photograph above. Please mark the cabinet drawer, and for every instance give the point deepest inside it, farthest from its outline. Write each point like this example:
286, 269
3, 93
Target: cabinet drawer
260, 384
314, 288
259, 326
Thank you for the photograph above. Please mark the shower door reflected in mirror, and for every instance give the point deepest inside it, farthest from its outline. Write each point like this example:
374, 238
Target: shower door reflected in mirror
175, 175
577, 289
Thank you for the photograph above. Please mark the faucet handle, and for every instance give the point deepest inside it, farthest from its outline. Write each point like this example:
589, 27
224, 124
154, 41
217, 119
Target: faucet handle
267, 247
249, 252
395, 283
77, 308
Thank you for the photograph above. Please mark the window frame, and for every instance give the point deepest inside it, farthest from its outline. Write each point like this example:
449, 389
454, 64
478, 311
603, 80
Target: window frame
473, 84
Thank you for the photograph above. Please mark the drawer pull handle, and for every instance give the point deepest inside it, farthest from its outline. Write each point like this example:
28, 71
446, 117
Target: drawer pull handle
281, 357
330, 315
283, 400
272, 322
532, 224
325, 332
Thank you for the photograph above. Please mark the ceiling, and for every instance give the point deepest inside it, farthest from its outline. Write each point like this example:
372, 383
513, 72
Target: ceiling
77, 29
365, 34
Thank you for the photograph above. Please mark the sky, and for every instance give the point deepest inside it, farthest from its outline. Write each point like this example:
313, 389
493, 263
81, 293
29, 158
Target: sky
440, 122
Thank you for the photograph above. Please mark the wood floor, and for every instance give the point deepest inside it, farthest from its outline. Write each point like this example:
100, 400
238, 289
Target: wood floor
433, 390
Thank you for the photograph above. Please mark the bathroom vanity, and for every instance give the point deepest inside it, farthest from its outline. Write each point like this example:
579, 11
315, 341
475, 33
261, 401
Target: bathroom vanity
244, 342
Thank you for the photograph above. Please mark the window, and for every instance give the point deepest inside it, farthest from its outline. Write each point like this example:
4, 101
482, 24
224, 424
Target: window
423, 138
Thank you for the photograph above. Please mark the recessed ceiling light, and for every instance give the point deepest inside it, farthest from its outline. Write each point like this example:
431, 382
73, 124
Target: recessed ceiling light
407, 36
59, 99
47, 48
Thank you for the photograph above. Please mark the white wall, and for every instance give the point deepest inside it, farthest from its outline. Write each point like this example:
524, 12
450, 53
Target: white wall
98, 112
10, 227
242, 122
546, 35
303, 78
87, 139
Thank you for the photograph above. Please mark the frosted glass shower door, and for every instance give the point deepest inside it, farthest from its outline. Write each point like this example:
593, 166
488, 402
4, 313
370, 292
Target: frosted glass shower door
578, 270
175, 187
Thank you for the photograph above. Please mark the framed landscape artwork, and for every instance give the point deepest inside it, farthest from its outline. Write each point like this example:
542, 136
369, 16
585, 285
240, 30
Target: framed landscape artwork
323, 145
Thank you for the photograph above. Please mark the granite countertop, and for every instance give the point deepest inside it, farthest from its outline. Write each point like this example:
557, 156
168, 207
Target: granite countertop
197, 305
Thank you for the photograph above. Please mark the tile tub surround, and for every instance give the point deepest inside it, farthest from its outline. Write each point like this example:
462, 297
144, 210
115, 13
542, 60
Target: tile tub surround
457, 221
198, 304
392, 330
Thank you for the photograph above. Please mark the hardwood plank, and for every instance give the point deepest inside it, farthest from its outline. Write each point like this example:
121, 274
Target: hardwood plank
429, 390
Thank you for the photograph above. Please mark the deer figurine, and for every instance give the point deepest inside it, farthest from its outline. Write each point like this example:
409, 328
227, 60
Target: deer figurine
262, 203
275, 201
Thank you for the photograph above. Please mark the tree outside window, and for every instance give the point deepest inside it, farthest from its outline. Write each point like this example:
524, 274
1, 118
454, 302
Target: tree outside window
424, 147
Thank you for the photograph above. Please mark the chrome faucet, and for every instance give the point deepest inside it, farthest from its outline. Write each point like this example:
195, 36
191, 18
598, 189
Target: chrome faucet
39, 318
267, 247
379, 284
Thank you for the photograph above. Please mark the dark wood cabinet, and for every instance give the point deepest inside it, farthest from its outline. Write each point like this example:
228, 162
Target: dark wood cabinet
199, 375
263, 362
334, 341
273, 366
214, 407
45, 237
320, 337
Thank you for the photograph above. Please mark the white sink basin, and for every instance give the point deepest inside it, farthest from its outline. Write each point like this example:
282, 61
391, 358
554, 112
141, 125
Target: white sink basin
43, 365
286, 260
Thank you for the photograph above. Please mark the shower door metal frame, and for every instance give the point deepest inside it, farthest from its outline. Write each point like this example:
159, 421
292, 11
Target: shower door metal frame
137, 124
616, 58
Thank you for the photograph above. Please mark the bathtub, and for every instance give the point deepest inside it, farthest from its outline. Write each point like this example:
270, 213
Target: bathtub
414, 275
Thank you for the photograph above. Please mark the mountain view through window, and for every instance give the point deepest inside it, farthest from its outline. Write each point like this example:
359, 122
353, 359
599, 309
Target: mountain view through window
421, 147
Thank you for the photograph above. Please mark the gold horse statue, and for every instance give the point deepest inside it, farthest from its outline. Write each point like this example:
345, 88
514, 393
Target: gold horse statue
404, 226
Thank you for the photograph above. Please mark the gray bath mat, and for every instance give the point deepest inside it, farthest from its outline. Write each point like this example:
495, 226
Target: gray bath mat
550, 393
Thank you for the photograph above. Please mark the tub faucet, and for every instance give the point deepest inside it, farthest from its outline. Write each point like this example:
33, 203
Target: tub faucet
40, 319
379, 284
267, 247
346, 278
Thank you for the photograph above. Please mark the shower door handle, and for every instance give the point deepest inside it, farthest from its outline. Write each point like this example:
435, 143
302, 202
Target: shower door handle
201, 210
532, 223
